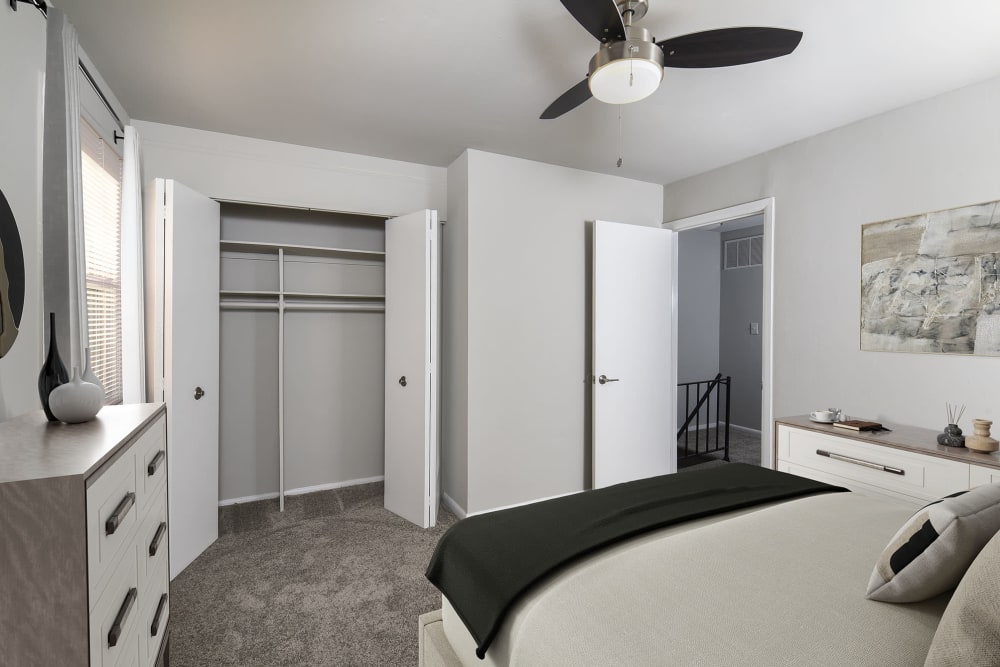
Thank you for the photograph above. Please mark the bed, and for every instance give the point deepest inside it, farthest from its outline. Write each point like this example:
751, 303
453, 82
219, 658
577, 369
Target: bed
780, 583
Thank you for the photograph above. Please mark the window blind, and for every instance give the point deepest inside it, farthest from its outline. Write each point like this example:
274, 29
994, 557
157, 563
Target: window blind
102, 191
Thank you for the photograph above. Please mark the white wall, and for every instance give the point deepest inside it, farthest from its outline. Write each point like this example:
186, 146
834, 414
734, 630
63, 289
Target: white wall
455, 337
22, 50
526, 319
225, 166
936, 154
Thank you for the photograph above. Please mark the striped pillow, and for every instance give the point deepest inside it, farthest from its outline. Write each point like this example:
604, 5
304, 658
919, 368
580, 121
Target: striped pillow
931, 552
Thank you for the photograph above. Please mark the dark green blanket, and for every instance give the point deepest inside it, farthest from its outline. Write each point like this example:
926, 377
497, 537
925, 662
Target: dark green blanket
484, 563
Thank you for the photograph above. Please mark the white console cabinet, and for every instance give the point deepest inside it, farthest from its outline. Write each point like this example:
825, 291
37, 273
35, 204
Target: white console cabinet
905, 464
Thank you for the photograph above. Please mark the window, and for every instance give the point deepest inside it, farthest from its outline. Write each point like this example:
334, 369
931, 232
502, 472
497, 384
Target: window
102, 192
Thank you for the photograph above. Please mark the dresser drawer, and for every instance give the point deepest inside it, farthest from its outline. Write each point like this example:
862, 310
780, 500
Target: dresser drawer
152, 543
151, 462
871, 466
115, 618
155, 612
983, 475
112, 517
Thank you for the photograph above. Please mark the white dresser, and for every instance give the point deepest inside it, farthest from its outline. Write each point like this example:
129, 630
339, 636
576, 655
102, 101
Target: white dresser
84, 540
905, 464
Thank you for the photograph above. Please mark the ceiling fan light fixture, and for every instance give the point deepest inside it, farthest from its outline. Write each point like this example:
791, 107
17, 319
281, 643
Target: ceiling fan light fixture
628, 70
625, 81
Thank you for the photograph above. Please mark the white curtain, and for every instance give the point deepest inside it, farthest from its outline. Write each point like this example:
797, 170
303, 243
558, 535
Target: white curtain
63, 251
133, 316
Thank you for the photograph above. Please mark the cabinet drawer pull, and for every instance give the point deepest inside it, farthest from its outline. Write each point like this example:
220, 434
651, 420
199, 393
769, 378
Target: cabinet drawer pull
861, 462
115, 633
155, 463
155, 627
116, 518
155, 544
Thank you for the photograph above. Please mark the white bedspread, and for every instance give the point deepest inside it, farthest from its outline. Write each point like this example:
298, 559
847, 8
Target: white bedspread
781, 585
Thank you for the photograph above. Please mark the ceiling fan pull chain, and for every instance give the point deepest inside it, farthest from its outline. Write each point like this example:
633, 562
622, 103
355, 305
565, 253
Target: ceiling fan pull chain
619, 136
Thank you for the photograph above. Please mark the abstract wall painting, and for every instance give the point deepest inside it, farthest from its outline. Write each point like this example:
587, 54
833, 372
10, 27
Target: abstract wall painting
11, 277
931, 282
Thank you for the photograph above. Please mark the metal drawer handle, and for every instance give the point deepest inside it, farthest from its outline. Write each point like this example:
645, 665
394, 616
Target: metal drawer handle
115, 633
860, 462
116, 518
155, 544
155, 463
155, 627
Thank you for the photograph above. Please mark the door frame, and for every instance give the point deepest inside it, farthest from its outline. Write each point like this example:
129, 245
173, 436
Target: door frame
766, 207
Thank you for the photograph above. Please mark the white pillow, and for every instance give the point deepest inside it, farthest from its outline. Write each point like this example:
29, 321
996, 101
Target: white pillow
931, 552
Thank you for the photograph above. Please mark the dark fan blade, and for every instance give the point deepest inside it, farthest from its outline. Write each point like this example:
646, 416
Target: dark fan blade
728, 46
568, 101
599, 17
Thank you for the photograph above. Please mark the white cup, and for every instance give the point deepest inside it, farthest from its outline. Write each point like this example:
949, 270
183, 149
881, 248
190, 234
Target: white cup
824, 415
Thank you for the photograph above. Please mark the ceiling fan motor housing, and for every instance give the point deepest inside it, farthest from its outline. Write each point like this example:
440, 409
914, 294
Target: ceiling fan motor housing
638, 53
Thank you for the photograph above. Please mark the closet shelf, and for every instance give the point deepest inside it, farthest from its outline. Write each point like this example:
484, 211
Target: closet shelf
247, 294
300, 250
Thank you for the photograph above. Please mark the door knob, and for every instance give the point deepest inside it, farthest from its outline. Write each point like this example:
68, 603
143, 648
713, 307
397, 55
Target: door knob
198, 393
402, 381
604, 379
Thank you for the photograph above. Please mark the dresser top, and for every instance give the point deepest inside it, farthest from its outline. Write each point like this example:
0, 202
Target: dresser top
909, 438
31, 447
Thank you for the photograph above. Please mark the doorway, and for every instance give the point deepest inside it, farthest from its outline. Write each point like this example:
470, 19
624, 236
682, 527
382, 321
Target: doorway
725, 316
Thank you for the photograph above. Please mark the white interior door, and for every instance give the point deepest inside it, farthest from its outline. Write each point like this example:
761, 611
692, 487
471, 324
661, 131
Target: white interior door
411, 367
187, 344
634, 333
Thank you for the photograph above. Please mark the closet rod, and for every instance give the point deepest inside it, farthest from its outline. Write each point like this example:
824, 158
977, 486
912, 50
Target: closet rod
335, 307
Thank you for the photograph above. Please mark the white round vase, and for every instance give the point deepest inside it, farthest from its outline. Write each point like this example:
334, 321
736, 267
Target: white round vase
76, 401
88, 373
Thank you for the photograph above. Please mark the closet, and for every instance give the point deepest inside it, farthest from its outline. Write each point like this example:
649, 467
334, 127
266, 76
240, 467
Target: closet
327, 349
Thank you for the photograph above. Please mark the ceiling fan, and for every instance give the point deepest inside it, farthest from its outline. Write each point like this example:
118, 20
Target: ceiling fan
628, 65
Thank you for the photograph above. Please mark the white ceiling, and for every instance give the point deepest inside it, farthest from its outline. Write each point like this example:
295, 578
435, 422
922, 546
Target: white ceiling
423, 80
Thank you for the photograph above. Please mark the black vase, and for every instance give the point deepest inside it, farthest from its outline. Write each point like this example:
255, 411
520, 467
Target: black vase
53, 372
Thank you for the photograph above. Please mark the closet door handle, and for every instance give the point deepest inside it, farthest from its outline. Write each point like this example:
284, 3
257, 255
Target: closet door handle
198, 393
604, 379
402, 381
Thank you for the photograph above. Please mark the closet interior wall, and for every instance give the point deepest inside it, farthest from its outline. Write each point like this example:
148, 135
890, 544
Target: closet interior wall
332, 295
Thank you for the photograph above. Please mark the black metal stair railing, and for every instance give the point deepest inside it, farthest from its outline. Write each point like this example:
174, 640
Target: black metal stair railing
705, 442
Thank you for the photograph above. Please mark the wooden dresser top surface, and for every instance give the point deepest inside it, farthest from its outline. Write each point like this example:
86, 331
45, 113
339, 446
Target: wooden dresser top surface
31, 447
909, 438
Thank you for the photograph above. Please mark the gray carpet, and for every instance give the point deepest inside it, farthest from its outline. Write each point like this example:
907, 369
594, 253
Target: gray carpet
744, 447
335, 580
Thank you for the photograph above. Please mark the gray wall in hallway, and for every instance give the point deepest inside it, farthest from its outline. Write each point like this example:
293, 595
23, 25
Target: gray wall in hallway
698, 285
742, 302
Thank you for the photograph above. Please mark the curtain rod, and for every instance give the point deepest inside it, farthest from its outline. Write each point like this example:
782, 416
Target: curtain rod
37, 4
43, 7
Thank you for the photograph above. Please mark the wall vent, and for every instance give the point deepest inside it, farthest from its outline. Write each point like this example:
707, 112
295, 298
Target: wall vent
744, 253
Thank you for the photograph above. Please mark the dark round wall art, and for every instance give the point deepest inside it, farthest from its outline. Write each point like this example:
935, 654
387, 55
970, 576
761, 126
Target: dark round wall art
11, 277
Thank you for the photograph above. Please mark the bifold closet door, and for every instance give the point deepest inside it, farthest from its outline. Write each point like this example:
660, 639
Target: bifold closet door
185, 345
634, 343
411, 367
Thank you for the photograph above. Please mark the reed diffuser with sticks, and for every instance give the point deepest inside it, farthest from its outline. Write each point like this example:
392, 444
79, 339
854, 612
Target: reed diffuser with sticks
952, 436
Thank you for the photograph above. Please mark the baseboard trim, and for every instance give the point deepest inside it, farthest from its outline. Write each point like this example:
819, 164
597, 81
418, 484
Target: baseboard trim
450, 503
526, 502
301, 490
747, 429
